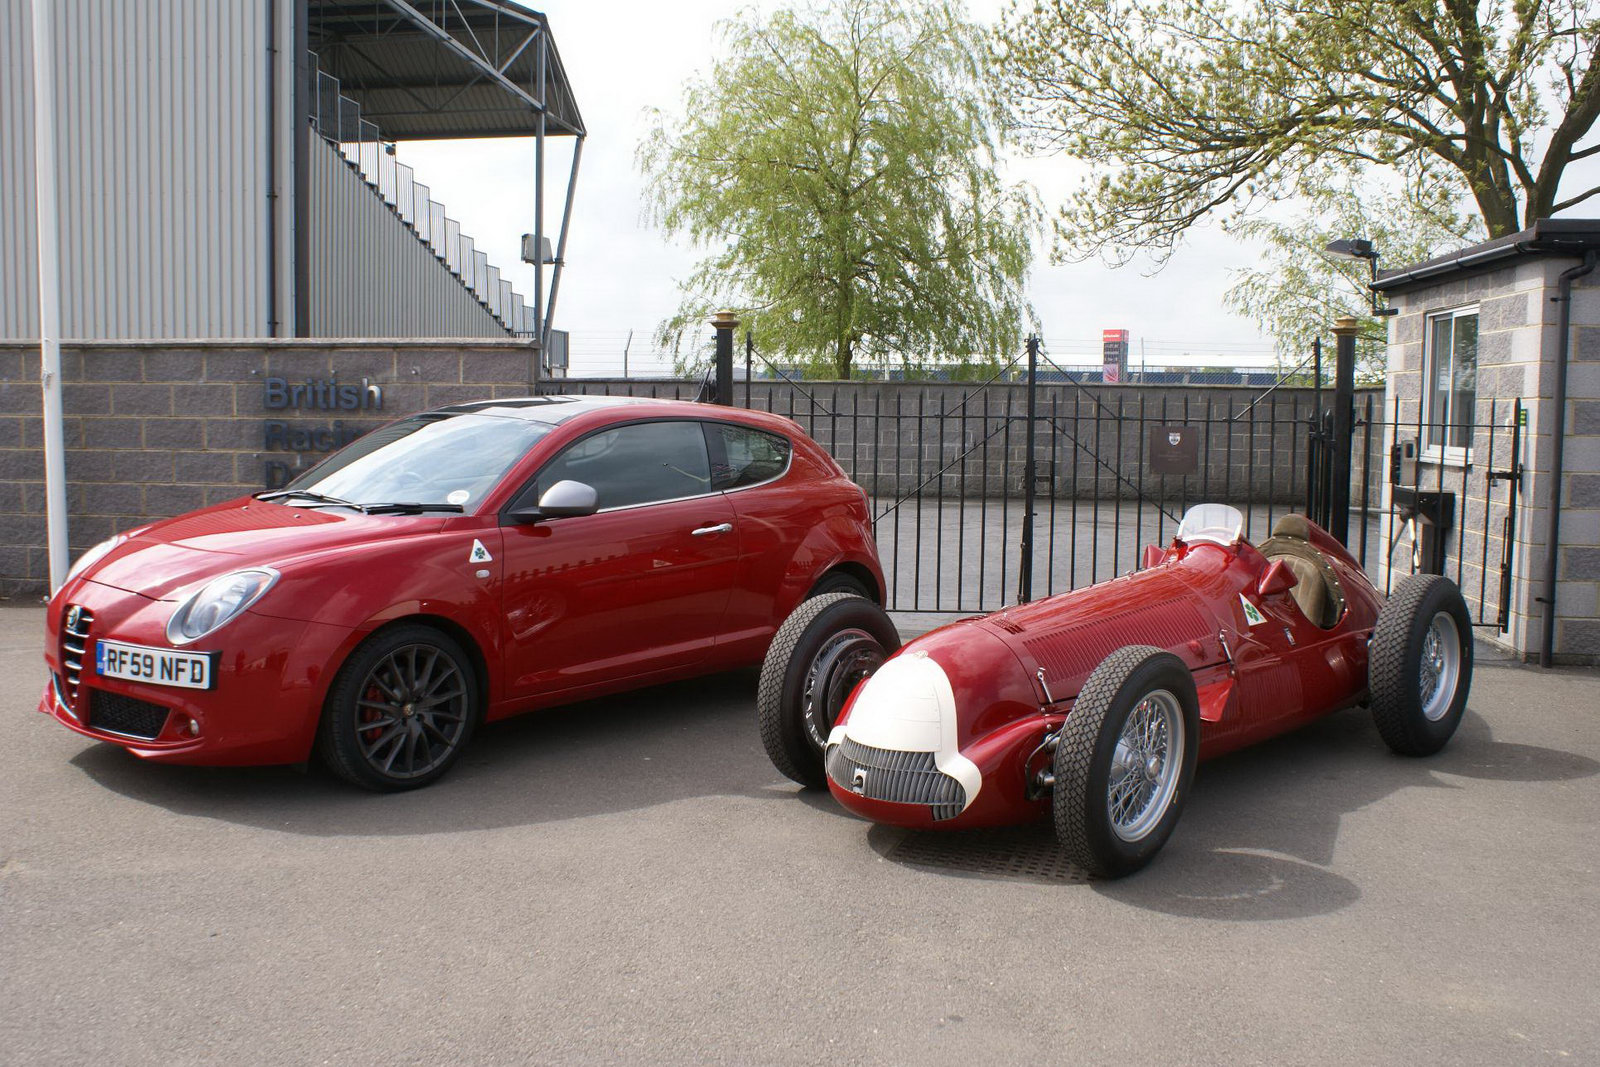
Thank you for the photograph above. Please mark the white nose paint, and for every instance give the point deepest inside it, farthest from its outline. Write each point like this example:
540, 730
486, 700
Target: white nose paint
908, 706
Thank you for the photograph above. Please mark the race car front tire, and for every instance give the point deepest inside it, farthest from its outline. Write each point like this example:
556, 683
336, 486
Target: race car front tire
823, 649
1125, 760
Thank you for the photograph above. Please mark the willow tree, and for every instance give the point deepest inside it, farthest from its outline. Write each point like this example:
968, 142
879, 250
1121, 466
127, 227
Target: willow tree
1198, 108
837, 165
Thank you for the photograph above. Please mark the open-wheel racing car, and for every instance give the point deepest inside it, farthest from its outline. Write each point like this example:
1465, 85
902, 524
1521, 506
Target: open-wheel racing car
1093, 707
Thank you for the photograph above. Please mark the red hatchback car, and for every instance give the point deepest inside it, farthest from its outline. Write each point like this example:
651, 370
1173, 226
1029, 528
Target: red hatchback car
458, 566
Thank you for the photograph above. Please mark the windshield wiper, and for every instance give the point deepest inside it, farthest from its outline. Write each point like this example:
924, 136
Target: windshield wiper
410, 508
307, 494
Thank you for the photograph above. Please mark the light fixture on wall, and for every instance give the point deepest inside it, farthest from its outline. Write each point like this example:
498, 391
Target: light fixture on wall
1357, 249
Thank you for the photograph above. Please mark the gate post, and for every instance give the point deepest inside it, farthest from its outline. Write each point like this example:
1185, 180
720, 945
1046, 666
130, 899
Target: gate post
1025, 578
725, 323
1344, 410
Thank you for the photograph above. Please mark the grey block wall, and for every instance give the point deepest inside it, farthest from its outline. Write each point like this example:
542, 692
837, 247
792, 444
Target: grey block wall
1090, 443
156, 429
1518, 344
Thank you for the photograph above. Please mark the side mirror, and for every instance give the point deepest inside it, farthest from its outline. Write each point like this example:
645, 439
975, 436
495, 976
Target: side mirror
1278, 579
565, 499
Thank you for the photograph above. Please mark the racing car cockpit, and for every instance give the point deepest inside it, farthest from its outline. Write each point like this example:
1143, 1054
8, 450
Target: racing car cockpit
1316, 589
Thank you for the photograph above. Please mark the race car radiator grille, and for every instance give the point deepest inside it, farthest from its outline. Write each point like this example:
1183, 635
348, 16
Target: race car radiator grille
898, 777
118, 714
74, 639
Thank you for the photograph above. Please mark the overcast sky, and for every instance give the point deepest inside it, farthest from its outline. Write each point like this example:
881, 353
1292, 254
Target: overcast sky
622, 274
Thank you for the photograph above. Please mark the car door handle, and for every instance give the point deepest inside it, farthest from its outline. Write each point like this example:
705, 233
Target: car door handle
725, 527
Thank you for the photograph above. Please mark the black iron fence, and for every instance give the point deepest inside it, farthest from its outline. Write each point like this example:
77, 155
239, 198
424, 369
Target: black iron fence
962, 528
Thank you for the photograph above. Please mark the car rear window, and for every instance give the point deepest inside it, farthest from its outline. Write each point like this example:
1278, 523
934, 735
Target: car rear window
742, 456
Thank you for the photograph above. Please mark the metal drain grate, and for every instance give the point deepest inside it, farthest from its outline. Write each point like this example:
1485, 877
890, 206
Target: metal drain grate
1024, 853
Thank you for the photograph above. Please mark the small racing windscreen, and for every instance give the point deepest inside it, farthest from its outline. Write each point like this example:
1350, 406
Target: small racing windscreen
1218, 524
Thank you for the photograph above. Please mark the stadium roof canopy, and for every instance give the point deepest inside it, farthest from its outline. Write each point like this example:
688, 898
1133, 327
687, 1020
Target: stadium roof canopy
433, 69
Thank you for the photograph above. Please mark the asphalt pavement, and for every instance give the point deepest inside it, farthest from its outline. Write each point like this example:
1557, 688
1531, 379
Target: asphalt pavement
630, 881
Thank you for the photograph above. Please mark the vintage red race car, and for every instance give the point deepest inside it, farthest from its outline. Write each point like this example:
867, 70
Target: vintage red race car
457, 566
1093, 707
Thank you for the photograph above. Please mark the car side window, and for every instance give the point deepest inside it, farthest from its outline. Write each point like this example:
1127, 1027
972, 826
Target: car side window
635, 464
743, 456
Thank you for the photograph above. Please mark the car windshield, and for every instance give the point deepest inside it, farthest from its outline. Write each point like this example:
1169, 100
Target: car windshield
436, 458
1217, 524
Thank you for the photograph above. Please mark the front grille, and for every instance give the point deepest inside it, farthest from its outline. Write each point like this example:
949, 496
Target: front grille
118, 714
74, 639
898, 777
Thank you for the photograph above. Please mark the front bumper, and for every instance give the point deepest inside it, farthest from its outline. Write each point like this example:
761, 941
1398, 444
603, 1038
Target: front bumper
270, 680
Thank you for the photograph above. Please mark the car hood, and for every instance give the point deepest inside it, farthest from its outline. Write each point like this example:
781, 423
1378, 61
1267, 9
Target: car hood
168, 556
1067, 636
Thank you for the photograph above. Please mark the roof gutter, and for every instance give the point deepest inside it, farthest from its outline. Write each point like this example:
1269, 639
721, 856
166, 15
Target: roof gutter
1470, 261
1552, 537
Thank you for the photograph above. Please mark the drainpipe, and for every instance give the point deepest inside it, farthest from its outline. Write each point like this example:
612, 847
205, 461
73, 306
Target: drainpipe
1552, 537
49, 236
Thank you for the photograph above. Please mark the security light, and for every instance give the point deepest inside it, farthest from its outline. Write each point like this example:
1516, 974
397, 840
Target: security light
1356, 249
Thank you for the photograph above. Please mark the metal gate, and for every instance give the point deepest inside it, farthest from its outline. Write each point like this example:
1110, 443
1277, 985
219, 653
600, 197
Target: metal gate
1032, 482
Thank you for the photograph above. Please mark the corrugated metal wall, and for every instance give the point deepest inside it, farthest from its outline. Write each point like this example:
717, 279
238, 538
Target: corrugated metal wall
162, 157
19, 256
369, 274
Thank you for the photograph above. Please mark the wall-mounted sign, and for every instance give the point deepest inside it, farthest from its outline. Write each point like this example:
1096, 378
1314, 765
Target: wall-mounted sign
1174, 450
297, 436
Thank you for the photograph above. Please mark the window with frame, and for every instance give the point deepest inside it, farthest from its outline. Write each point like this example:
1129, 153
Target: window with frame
1450, 381
742, 456
639, 463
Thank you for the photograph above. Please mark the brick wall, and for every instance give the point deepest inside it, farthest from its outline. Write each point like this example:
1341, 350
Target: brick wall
155, 429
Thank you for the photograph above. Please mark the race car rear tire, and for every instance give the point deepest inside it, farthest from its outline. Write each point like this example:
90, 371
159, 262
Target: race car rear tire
822, 650
1419, 665
1125, 761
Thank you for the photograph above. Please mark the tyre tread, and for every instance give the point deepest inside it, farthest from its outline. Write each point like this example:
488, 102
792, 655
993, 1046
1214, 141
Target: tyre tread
771, 715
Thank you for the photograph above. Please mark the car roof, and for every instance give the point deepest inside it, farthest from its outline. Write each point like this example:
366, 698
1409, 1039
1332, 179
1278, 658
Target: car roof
556, 410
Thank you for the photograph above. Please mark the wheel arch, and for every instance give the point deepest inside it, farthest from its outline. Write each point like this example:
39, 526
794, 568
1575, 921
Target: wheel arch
857, 572
461, 636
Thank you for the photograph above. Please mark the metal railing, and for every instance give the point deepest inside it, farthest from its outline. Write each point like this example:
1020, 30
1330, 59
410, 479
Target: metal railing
337, 119
960, 530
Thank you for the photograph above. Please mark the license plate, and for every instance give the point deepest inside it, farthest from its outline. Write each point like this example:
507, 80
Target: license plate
157, 666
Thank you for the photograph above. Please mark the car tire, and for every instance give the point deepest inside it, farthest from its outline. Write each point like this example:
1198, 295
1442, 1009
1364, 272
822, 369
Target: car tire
1139, 705
400, 710
1419, 665
822, 650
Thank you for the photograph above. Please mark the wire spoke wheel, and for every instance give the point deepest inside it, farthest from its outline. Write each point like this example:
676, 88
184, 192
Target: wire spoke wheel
1419, 665
1144, 766
1124, 760
1440, 667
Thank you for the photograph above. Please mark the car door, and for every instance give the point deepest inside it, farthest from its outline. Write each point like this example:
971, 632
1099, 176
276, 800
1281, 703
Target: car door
639, 587
774, 516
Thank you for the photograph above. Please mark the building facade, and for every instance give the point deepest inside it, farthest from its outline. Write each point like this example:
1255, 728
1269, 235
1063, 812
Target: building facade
1494, 400
227, 168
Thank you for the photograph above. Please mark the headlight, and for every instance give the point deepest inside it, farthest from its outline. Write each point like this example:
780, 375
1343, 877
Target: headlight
219, 601
93, 556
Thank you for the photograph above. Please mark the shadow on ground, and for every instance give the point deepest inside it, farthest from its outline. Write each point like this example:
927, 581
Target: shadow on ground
621, 753
1257, 837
